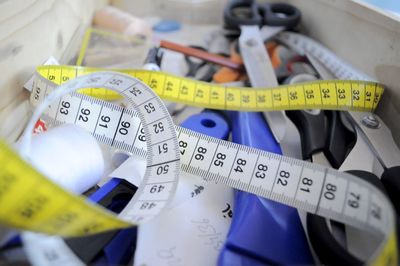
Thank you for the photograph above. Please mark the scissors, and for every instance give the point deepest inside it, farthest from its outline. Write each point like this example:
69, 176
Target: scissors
256, 60
373, 154
271, 17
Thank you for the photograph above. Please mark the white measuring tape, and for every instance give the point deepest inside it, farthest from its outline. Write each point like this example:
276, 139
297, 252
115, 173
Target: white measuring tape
303, 45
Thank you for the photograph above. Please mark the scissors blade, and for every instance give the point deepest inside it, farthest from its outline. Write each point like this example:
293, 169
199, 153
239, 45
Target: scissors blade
267, 32
256, 60
261, 74
380, 138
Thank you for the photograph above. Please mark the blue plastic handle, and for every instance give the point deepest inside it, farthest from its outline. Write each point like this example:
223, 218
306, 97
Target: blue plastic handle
262, 231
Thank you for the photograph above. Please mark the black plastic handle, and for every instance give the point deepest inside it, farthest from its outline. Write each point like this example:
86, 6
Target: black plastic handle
325, 245
242, 12
280, 14
340, 140
154, 56
391, 181
194, 64
88, 247
312, 129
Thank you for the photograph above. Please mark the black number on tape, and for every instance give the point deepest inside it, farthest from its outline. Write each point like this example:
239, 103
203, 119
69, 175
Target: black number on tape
84, 115
135, 91
123, 130
354, 200
158, 127
162, 148
183, 145
262, 168
199, 156
147, 205
376, 211
356, 95
141, 136
169, 86
220, 158
106, 119
239, 162
116, 82
307, 182
149, 108
156, 188
341, 94
309, 94
64, 109
162, 169
277, 96
329, 193
283, 174
325, 93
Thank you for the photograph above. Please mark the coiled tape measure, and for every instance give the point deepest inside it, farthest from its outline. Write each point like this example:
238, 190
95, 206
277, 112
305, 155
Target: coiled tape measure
42, 206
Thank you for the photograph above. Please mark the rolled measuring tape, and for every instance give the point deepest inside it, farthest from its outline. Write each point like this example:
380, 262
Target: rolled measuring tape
41, 206
332, 95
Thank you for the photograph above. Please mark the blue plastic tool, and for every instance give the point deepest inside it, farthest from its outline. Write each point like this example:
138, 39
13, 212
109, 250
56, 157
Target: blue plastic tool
262, 231
167, 26
209, 123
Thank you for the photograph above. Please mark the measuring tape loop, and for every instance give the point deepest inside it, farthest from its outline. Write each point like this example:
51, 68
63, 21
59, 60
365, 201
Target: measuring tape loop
300, 184
332, 95
145, 203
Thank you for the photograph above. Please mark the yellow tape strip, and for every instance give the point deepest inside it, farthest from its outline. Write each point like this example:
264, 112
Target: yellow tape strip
389, 255
29, 201
328, 95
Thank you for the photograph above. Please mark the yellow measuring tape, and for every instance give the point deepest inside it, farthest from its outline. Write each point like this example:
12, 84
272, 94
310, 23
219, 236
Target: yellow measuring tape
328, 95
32, 202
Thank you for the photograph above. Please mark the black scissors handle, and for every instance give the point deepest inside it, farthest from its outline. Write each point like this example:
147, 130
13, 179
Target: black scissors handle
194, 64
198, 68
313, 130
249, 12
242, 12
279, 14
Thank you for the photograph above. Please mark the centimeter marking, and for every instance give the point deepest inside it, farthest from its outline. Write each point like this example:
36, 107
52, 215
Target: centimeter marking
300, 184
333, 95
